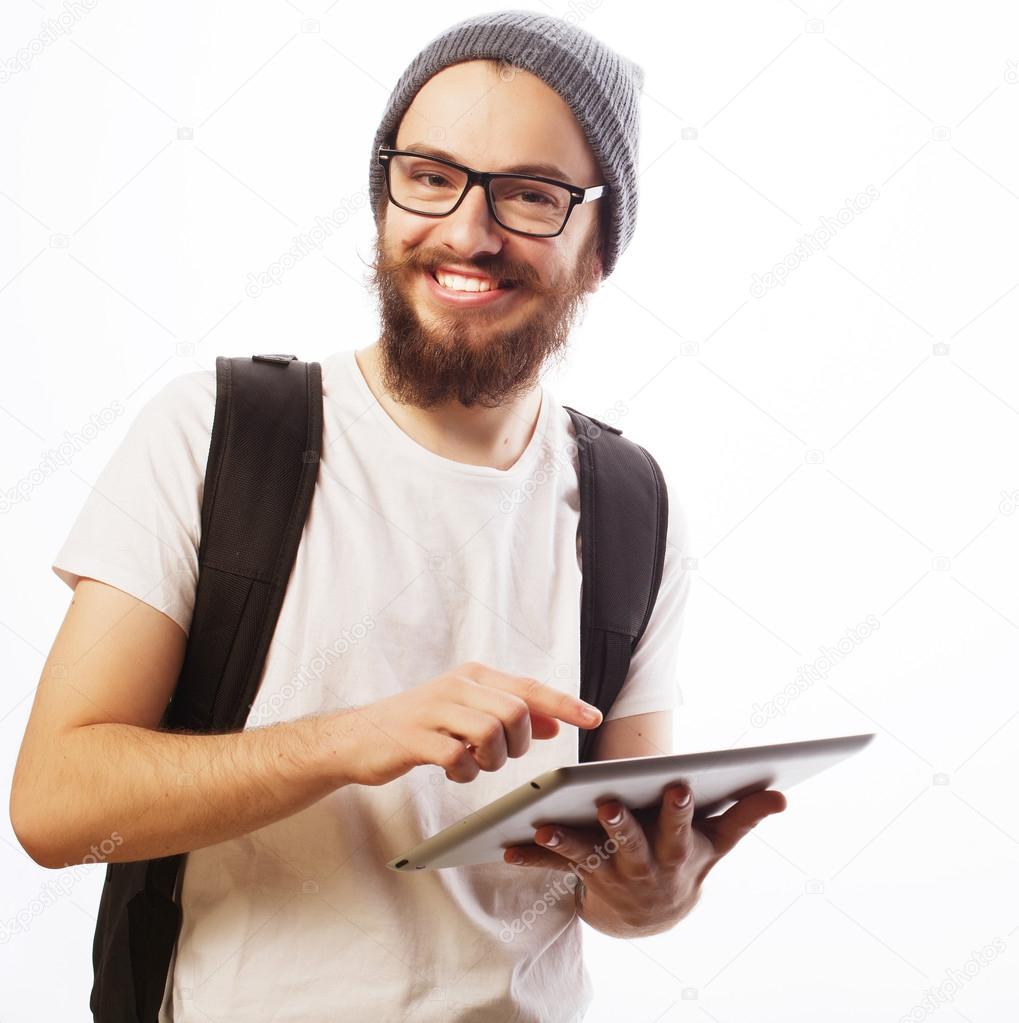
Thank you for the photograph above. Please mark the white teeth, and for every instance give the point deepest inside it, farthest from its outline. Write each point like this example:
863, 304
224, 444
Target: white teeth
455, 282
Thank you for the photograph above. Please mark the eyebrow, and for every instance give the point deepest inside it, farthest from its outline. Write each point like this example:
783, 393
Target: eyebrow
546, 170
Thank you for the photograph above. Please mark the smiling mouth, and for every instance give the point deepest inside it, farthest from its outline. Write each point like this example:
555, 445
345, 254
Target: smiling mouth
492, 283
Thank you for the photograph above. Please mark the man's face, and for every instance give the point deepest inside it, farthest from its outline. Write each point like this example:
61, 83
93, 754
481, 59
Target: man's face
433, 349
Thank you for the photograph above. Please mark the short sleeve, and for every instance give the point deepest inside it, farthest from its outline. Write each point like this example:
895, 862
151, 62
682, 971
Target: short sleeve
140, 525
652, 683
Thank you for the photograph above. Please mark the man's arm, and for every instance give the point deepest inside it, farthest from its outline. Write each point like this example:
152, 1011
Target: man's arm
94, 773
639, 735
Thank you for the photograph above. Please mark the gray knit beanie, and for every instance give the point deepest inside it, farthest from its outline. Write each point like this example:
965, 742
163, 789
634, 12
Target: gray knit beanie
601, 87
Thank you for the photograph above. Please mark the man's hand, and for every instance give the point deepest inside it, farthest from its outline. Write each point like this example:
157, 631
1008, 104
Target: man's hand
641, 879
469, 719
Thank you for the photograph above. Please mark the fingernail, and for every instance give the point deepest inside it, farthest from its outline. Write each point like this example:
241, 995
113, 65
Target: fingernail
591, 714
553, 839
682, 800
616, 818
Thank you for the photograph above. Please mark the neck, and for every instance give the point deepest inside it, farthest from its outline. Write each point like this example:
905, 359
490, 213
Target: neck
493, 437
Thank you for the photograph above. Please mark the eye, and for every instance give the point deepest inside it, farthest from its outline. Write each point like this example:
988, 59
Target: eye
540, 198
430, 174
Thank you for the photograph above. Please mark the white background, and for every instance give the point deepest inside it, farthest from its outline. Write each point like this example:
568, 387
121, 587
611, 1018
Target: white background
844, 442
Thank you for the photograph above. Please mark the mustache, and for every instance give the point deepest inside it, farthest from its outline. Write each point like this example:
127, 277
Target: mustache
517, 274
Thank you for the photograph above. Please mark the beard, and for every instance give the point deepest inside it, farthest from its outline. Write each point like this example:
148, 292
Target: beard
466, 355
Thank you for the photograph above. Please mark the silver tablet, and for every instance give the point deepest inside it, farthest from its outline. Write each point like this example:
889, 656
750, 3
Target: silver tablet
570, 795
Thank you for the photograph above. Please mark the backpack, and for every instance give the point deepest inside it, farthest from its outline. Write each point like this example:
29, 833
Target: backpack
263, 462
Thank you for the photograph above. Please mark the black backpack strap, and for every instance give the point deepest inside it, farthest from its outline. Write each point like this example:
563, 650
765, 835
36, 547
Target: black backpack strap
260, 477
263, 463
624, 518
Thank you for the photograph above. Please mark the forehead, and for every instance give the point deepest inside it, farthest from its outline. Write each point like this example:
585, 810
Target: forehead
494, 121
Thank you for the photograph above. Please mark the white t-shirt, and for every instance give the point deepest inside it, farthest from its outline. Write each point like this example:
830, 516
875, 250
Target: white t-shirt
409, 564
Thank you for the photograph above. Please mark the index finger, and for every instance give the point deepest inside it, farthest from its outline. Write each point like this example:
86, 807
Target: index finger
543, 698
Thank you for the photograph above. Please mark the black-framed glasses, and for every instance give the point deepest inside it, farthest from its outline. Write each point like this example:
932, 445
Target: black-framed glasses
433, 187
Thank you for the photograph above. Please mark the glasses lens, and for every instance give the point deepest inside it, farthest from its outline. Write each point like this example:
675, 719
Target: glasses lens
529, 205
523, 204
423, 185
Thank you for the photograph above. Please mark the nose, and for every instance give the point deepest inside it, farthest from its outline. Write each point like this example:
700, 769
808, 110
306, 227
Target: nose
471, 228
